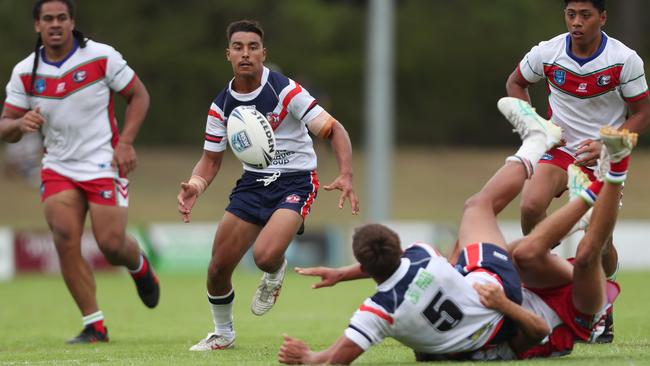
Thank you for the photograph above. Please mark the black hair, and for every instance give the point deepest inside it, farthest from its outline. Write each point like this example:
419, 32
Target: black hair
598, 4
36, 14
377, 248
244, 26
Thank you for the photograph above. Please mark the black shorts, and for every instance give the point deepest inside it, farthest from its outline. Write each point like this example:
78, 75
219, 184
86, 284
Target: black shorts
256, 196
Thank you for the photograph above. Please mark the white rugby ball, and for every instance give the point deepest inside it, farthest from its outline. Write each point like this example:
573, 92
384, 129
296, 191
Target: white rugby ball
251, 137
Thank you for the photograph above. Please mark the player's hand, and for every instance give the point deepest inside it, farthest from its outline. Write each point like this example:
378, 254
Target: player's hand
31, 121
588, 153
344, 184
328, 276
124, 158
186, 199
491, 295
293, 351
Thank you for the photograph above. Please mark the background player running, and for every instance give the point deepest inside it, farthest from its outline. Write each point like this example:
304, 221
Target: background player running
64, 90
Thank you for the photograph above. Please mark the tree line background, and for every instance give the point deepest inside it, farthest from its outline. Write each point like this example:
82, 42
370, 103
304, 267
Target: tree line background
452, 57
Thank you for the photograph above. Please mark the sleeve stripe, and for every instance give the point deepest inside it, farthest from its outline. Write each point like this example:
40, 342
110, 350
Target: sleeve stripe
215, 114
129, 85
360, 332
311, 106
638, 97
287, 100
531, 69
16, 108
213, 138
377, 312
631, 80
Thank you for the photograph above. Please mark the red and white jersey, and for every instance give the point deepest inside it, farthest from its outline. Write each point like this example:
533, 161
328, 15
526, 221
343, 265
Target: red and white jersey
428, 306
75, 96
585, 94
287, 106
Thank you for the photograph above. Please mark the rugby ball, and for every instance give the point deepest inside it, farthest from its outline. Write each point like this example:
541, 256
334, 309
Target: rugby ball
251, 137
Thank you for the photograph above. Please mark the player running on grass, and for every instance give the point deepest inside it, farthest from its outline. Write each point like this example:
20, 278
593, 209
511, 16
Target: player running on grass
424, 302
64, 91
267, 206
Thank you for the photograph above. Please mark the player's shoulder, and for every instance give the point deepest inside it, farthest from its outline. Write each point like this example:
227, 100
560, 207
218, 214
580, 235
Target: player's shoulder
98, 49
619, 49
25, 65
420, 251
554, 43
278, 81
220, 99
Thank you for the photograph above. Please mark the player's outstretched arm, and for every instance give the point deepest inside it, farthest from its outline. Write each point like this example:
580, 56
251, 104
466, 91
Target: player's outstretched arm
15, 123
639, 120
532, 328
326, 127
296, 352
332, 276
202, 175
137, 99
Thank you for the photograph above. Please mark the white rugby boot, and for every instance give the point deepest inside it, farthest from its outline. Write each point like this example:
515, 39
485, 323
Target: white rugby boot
214, 342
527, 122
619, 143
268, 291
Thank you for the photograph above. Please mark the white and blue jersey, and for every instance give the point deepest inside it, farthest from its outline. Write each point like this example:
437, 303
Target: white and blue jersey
286, 105
428, 306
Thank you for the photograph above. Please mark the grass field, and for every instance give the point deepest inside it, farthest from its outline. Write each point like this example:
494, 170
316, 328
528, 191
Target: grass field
37, 315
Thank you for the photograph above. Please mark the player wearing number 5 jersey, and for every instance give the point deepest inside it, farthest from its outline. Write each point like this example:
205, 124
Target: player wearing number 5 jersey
422, 300
65, 92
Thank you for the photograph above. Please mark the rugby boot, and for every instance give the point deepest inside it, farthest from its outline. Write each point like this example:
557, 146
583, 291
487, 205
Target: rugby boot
527, 122
214, 342
147, 284
268, 291
90, 335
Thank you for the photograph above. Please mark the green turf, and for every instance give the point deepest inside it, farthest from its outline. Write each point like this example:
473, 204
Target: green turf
37, 315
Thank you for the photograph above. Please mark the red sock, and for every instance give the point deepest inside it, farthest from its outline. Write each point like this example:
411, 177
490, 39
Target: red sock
618, 171
99, 326
143, 269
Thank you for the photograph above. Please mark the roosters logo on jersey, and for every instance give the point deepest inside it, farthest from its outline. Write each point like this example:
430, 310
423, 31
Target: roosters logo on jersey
79, 76
559, 76
273, 119
603, 80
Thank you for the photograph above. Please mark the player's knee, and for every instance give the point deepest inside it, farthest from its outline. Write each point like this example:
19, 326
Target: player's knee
587, 255
525, 256
267, 261
478, 199
532, 208
112, 246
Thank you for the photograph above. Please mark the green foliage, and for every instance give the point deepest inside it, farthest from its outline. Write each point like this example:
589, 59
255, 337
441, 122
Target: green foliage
452, 57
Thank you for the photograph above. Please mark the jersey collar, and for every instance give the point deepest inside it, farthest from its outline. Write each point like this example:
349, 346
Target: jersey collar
252, 95
583, 61
58, 64
395, 277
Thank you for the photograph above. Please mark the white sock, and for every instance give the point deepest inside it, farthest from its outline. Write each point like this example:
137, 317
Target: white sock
532, 149
92, 318
140, 264
275, 275
221, 307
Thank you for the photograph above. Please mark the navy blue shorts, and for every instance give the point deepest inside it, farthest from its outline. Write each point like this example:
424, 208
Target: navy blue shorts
253, 201
494, 259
